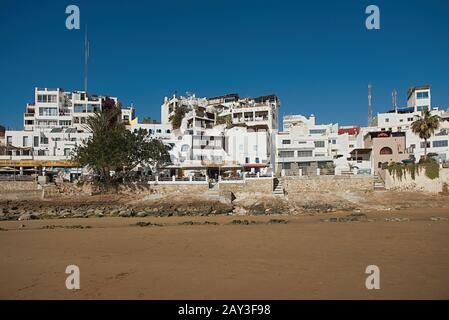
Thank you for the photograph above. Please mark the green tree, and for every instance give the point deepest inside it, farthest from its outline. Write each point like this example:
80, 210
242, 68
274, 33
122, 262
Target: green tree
149, 120
114, 148
425, 126
179, 115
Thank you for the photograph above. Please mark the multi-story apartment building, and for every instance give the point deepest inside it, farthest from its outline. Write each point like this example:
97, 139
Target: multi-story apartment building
401, 119
54, 124
305, 145
223, 132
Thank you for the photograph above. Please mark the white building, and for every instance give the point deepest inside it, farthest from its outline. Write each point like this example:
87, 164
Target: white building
305, 145
401, 119
54, 124
224, 132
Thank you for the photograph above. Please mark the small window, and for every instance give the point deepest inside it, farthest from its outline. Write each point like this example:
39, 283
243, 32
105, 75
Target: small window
286, 141
440, 143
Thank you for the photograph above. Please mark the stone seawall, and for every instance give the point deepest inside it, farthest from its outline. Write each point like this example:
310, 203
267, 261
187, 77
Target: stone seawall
248, 186
18, 186
294, 185
419, 183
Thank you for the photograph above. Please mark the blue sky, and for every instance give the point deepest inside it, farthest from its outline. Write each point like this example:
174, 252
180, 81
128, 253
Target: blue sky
317, 56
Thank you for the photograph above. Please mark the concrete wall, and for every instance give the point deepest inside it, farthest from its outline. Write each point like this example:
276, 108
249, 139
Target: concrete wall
294, 185
420, 183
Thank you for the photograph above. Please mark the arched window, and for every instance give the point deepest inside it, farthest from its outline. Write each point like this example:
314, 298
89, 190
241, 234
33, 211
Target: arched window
386, 150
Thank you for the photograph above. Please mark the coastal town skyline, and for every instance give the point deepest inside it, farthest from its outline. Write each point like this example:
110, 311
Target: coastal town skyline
252, 54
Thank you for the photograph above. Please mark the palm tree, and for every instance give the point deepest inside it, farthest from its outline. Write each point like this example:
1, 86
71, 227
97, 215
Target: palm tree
425, 126
103, 121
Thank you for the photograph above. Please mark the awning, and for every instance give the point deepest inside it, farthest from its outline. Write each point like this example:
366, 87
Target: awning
255, 165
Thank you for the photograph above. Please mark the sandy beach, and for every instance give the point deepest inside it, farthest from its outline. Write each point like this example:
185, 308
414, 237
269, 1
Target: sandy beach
293, 257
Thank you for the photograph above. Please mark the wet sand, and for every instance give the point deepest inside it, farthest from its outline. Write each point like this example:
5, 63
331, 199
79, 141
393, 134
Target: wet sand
303, 259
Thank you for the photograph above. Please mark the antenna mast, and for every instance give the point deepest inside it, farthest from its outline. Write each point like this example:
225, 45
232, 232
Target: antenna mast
86, 59
394, 96
370, 109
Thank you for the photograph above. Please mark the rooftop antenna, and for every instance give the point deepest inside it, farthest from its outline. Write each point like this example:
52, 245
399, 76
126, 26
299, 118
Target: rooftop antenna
370, 108
86, 59
394, 96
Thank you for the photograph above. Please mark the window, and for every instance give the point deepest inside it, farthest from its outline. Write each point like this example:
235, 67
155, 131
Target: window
46, 98
305, 153
423, 144
286, 154
286, 141
287, 166
76, 120
257, 160
401, 120
25, 141
79, 108
319, 154
247, 160
8, 140
334, 141
386, 150
387, 120
409, 119
66, 152
319, 144
185, 148
317, 131
83, 120
167, 131
48, 112
36, 141
158, 130
440, 143
421, 108
422, 95
44, 140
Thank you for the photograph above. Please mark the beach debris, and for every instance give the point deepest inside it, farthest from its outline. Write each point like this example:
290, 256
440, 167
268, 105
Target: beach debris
349, 218
439, 219
244, 222
277, 221
146, 224
395, 219
78, 226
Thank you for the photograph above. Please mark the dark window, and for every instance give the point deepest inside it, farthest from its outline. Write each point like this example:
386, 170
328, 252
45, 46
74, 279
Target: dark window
386, 150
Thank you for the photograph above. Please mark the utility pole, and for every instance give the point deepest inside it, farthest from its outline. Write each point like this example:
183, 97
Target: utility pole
370, 107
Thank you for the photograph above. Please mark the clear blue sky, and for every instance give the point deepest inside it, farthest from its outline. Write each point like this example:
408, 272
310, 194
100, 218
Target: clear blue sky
317, 56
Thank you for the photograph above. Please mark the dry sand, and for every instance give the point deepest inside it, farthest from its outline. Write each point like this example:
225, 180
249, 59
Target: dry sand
304, 259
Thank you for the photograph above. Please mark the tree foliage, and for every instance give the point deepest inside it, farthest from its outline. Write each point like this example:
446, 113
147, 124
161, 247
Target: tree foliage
149, 120
114, 148
425, 126
179, 115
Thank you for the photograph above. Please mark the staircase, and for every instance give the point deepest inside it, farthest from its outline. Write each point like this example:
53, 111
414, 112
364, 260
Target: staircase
278, 187
378, 183
214, 192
